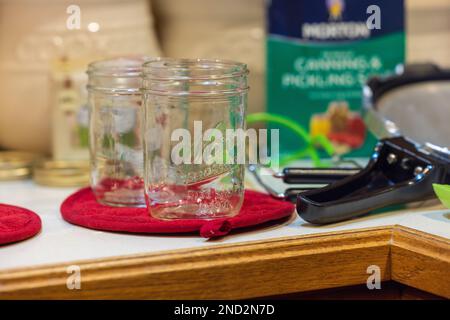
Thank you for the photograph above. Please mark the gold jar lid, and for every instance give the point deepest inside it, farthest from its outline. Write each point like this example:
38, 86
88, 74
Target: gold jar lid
61, 173
16, 165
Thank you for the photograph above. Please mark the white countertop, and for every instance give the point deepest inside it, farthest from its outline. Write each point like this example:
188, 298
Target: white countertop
61, 242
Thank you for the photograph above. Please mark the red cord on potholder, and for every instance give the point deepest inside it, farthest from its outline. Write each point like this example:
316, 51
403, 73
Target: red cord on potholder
82, 209
17, 224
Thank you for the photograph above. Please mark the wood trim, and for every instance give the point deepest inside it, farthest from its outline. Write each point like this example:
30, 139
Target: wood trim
250, 269
421, 261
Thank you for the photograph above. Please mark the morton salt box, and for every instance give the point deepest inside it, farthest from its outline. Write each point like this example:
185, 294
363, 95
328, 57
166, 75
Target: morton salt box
319, 55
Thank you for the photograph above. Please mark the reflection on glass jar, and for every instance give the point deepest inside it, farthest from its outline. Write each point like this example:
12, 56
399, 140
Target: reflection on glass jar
190, 105
115, 131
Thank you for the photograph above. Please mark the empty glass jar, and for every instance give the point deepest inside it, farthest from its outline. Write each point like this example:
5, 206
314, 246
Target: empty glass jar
115, 131
190, 105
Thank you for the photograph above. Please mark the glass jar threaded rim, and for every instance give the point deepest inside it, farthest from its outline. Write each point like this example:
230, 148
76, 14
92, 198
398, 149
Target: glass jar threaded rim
117, 75
199, 77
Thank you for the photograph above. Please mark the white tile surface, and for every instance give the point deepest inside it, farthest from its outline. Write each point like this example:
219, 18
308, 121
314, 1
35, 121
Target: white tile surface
61, 242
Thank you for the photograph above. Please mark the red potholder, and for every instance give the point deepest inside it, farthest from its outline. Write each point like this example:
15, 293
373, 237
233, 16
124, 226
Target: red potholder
17, 224
82, 209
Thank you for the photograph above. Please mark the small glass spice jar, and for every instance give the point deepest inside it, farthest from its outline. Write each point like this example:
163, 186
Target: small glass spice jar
190, 106
115, 126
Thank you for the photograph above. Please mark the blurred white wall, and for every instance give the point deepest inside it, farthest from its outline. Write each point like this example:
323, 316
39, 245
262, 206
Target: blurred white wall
428, 29
225, 29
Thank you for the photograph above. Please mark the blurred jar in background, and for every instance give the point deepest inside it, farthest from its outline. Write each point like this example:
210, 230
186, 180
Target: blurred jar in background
34, 34
225, 29
70, 112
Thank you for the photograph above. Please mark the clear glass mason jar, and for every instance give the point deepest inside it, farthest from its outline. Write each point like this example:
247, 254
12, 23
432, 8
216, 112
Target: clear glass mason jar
190, 172
115, 131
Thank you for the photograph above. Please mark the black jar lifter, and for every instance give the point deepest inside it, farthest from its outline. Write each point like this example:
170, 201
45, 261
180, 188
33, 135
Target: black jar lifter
410, 113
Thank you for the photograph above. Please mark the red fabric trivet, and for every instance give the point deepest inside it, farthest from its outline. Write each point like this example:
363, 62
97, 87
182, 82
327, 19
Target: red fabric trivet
82, 209
17, 224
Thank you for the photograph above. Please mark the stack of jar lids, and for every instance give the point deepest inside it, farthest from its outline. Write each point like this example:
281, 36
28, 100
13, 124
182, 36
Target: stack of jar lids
61, 173
16, 165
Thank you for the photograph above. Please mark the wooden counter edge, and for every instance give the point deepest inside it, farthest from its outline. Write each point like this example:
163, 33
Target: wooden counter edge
248, 269
421, 261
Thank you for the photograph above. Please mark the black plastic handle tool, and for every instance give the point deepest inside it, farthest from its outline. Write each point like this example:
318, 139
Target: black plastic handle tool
291, 194
397, 173
315, 175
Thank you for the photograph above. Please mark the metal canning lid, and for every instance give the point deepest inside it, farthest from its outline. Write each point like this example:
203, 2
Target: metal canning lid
61, 173
16, 165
